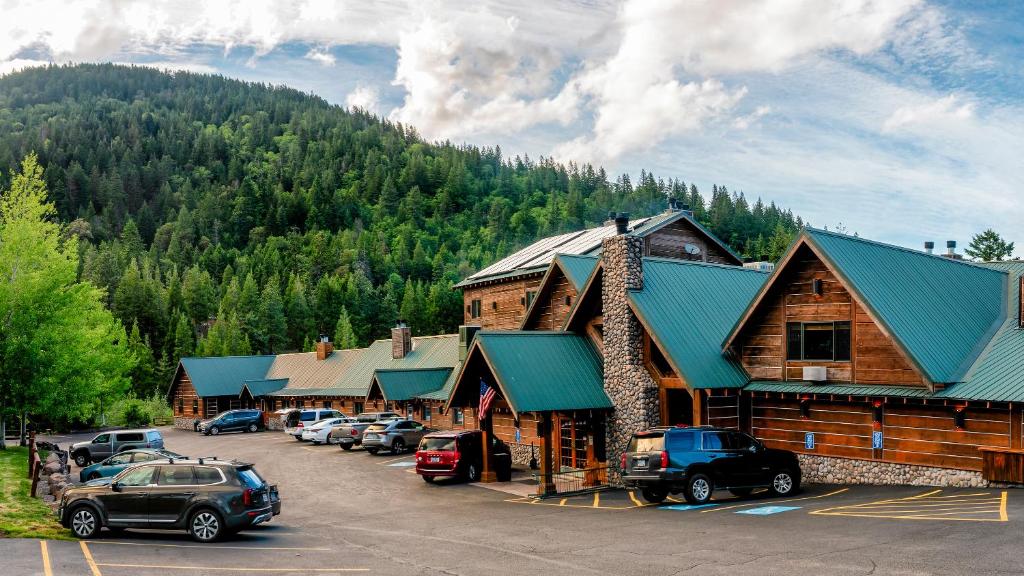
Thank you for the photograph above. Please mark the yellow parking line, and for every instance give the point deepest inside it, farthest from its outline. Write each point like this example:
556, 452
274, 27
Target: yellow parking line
925, 494
632, 496
207, 547
597, 499
89, 560
563, 501
1002, 508
773, 502
224, 569
47, 570
671, 499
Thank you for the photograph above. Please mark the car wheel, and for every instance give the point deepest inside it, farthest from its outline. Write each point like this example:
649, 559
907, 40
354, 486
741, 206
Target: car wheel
654, 495
316, 442
741, 492
252, 427
92, 476
698, 489
398, 446
784, 483
85, 523
346, 447
215, 430
299, 437
372, 451
205, 525
472, 473
81, 460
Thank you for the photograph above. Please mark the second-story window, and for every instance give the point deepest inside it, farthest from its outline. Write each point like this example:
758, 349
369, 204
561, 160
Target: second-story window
474, 309
530, 295
825, 341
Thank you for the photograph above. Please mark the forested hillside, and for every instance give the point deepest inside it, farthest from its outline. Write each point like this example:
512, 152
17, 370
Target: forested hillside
281, 216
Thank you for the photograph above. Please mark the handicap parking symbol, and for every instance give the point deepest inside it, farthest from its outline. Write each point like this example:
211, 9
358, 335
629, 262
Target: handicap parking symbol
809, 441
767, 510
687, 506
876, 440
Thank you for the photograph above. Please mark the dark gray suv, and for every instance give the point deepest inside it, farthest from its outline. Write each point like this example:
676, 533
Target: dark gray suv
107, 444
208, 498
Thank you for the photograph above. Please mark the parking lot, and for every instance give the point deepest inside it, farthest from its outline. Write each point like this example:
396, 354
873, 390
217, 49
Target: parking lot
349, 512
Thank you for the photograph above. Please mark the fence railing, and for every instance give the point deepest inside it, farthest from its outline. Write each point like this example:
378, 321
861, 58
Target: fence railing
572, 481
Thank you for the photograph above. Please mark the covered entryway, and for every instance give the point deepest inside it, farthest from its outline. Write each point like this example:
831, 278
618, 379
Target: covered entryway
678, 407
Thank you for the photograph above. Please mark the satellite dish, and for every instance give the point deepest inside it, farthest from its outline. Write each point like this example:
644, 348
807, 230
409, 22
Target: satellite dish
692, 249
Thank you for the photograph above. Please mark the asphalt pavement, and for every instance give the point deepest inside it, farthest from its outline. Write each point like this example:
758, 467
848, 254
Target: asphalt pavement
350, 512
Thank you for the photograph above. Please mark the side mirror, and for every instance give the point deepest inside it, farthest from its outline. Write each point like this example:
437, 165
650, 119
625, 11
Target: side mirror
116, 486
754, 448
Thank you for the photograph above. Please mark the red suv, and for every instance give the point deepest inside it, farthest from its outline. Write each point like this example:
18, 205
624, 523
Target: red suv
457, 453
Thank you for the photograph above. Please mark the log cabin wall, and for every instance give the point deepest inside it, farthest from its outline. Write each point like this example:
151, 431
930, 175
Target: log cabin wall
502, 304
671, 241
722, 409
183, 401
554, 305
874, 358
913, 432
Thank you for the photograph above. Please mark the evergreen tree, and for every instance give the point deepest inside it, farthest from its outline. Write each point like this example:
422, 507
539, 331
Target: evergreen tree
344, 336
272, 333
989, 246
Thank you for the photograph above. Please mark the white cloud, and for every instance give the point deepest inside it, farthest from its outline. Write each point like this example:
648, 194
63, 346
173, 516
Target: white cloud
364, 97
18, 64
932, 113
321, 56
744, 122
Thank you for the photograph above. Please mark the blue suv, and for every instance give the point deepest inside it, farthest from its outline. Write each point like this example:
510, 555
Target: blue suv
697, 461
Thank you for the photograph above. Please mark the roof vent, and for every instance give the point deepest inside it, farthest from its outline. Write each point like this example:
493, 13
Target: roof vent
929, 247
610, 220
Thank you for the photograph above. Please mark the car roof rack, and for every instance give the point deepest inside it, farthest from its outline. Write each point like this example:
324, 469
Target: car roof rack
201, 458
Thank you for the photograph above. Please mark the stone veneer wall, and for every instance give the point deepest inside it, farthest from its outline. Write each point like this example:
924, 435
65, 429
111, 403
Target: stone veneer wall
832, 470
184, 422
629, 386
521, 453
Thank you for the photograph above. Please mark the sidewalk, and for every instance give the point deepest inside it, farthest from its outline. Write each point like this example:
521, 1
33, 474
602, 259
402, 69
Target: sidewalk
522, 483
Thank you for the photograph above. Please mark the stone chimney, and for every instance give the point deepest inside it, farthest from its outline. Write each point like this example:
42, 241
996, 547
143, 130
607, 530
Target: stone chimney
401, 340
632, 390
324, 348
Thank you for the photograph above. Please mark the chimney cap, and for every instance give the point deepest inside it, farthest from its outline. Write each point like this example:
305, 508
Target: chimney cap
929, 245
622, 222
950, 243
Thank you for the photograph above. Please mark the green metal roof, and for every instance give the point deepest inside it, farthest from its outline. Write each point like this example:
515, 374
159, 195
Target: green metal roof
838, 389
998, 374
941, 311
689, 308
577, 268
544, 371
427, 352
263, 387
398, 385
225, 375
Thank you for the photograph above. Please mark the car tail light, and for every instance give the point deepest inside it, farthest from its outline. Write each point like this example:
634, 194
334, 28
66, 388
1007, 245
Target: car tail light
457, 455
355, 432
247, 497
664, 459
622, 461
301, 425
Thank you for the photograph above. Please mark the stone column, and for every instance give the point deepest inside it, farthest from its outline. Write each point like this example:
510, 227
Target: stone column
629, 385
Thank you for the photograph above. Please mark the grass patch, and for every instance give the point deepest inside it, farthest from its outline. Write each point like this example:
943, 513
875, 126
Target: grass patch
22, 516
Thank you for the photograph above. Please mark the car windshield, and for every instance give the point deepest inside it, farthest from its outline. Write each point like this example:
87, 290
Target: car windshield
169, 454
647, 443
444, 444
308, 416
250, 478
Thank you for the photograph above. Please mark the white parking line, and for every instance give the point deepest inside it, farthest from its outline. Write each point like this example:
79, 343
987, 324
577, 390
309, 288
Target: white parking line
206, 547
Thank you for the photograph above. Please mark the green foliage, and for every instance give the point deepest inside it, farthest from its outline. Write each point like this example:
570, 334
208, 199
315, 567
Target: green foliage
273, 210
60, 348
344, 336
989, 246
136, 412
22, 515
135, 417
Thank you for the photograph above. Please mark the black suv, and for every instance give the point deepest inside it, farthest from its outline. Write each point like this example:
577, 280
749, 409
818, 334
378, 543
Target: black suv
696, 461
206, 497
233, 421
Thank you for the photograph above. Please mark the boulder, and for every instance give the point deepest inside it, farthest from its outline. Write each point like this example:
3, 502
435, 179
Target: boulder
42, 489
57, 479
51, 467
52, 458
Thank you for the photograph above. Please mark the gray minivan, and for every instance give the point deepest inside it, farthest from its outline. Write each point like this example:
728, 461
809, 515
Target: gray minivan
109, 443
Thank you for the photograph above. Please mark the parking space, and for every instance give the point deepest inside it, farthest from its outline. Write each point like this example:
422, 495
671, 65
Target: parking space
351, 512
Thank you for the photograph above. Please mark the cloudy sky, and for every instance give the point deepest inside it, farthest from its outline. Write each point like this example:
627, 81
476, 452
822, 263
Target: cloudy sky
901, 119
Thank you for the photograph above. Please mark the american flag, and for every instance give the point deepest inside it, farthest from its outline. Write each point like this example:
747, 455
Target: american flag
486, 398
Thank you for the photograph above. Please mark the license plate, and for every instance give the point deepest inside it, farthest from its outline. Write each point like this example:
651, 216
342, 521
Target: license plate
640, 462
371, 435
435, 458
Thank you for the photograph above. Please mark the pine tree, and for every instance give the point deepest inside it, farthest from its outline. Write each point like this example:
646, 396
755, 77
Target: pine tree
344, 336
989, 246
273, 328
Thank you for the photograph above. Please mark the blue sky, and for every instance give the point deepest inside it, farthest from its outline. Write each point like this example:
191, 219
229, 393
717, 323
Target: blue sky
900, 119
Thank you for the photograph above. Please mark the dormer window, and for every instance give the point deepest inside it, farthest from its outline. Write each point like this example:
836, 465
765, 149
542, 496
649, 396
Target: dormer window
824, 341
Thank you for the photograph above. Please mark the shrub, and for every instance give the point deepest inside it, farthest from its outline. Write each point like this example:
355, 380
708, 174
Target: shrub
135, 415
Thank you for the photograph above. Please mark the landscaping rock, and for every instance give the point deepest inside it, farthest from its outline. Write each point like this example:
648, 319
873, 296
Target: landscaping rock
42, 489
52, 458
51, 467
55, 479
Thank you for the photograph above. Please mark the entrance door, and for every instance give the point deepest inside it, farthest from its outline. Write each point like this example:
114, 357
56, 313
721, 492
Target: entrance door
573, 437
679, 408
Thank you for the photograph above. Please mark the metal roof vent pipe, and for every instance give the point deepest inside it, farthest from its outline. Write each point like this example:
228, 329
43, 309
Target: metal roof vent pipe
610, 220
673, 204
929, 247
622, 223
686, 208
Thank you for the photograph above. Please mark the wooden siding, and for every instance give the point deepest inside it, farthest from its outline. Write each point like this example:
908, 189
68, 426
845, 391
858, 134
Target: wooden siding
509, 297
552, 306
671, 241
874, 357
723, 410
917, 434
186, 393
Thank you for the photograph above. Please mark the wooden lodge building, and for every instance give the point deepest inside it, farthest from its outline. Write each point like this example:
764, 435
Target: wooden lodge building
875, 363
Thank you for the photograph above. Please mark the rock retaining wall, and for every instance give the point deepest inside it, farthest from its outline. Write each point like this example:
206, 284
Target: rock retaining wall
184, 422
629, 386
831, 470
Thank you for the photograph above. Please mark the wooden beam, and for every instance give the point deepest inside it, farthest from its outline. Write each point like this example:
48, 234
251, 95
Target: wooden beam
1016, 426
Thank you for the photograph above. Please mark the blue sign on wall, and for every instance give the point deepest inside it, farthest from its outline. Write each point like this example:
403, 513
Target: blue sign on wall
876, 439
519, 435
809, 441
